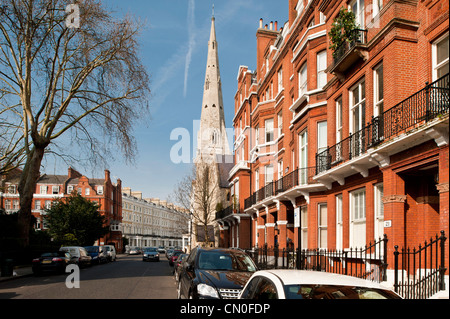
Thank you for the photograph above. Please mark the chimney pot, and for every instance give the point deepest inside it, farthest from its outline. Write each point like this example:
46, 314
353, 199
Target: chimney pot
260, 23
271, 25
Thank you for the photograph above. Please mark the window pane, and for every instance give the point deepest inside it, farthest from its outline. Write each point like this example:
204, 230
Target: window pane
442, 50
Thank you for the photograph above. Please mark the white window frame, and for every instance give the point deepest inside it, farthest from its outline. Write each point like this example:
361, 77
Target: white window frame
377, 90
322, 227
280, 80
435, 65
280, 123
358, 218
359, 14
339, 127
360, 105
339, 223
303, 80
43, 189
280, 169
322, 136
268, 174
304, 226
378, 210
321, 67
377, 5
303, 156
268, 130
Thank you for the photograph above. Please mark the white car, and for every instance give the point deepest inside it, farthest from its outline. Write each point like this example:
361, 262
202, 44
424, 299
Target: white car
305, 284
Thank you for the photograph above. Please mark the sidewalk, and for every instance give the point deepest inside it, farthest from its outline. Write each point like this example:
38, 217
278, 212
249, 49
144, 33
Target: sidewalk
18, 272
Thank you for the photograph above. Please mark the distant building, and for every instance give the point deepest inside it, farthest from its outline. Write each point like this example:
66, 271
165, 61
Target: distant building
152, 222
52, 187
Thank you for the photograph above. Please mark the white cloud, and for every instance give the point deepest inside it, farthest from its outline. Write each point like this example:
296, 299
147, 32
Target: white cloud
191, 43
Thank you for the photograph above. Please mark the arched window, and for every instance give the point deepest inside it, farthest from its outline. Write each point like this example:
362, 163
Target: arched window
215, 137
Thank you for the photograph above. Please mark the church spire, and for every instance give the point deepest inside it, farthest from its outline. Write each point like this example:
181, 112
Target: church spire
212, 137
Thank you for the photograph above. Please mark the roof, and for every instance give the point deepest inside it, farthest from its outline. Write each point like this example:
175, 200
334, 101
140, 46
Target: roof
52, 179
225, 165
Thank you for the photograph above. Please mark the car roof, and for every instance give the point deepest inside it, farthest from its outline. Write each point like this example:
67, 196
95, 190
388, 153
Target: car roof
299, 277
219, 249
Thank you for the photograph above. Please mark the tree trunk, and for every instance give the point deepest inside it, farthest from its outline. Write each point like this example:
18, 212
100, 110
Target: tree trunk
27, 187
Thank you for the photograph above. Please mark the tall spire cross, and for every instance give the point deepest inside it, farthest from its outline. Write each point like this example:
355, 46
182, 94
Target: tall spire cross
213, 10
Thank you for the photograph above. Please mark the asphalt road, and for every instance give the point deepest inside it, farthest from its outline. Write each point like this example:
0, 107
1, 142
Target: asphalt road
127, 278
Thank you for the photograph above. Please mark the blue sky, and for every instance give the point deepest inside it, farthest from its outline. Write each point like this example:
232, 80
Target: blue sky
174, 46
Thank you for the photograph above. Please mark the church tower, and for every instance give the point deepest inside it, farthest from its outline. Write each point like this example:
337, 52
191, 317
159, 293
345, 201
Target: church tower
213, 160
212, 137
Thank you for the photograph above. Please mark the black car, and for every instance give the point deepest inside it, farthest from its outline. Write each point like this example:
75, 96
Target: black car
214, 273
52, 261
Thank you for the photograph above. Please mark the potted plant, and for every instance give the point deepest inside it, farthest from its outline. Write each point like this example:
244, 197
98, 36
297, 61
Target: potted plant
342, 30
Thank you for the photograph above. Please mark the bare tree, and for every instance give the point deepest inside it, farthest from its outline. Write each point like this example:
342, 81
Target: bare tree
59, 81
197, 192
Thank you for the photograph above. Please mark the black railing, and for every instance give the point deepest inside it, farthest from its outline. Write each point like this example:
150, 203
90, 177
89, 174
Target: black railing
421, 270
423, 106
369, 262
358, 37
300, 176
224, 212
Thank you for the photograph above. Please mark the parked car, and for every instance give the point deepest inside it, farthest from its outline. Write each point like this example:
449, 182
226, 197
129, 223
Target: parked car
161, 249
214, 273
98, 255
56, 261
178, 264
110, 252
134, 251
174, 256
305, 284
169, 253
79, 254
150, 253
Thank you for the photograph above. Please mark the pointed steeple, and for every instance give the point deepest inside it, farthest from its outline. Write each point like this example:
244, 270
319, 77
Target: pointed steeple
212, 137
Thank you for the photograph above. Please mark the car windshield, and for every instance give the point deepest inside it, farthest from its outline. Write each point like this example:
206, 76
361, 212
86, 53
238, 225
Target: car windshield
336, 292
150, 250
91, 249
54, 254
223, 260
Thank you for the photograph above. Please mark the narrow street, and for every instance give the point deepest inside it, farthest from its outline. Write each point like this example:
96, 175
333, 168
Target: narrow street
127, 278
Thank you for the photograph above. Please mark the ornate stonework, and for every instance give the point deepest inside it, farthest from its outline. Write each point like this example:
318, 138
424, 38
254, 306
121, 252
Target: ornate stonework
442, 188
394, 199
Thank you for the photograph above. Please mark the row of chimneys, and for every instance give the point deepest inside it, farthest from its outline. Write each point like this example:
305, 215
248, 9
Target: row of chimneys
271, 27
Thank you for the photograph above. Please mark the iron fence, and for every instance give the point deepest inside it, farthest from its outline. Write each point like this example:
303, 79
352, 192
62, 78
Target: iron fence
369, 262
421, 270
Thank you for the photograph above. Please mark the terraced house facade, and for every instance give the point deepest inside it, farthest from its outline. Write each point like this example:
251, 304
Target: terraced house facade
103, 191
337, 148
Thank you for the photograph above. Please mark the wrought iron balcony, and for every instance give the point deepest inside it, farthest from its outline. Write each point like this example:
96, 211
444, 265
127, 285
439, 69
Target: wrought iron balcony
349, 52
298, 177
225, 212
422, 107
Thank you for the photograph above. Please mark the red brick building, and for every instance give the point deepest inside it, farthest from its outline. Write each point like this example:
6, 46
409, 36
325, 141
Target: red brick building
50, 187
353, 142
